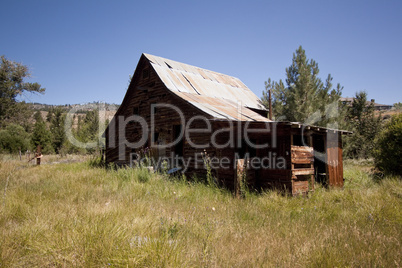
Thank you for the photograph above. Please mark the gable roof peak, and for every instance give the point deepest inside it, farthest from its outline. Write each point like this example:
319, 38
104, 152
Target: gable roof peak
181, 78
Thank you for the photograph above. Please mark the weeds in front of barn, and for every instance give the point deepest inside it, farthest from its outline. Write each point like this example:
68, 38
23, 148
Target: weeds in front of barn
75, 214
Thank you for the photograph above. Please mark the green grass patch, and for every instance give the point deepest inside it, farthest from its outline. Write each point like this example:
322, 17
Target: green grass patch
77, 214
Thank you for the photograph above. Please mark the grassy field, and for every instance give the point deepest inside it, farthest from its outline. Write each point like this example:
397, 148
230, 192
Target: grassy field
72, 214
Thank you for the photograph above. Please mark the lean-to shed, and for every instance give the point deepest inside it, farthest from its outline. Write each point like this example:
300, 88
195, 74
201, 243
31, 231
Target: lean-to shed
187, 116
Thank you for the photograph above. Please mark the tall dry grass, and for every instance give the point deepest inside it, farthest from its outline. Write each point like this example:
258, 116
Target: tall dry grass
72, 214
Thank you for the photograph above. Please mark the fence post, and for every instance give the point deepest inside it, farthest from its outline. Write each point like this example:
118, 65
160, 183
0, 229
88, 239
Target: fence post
38, 155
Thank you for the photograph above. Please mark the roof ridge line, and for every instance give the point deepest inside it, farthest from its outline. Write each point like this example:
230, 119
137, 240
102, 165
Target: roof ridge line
193, 66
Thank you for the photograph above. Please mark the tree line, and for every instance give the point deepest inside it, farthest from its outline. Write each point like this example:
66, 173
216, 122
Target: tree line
50, 134
22, 129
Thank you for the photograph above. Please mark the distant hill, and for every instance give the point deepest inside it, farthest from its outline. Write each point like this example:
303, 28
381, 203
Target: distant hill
80, 108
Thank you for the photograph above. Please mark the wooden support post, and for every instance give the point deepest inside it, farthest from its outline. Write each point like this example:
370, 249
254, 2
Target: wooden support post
38, 155
239, 177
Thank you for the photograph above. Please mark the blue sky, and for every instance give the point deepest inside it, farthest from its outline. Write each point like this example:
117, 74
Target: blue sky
84, 51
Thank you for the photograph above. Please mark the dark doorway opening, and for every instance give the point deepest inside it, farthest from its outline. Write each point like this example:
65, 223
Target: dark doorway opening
178, 138
320, 169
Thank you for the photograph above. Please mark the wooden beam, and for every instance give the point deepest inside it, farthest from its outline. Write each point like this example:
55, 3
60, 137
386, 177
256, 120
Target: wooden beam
307, 171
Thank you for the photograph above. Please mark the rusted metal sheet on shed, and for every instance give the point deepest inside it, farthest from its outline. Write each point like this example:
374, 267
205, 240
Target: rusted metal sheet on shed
334, 161
186, 78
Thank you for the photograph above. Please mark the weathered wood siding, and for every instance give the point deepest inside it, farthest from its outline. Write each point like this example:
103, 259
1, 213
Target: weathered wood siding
302, 169
141, 94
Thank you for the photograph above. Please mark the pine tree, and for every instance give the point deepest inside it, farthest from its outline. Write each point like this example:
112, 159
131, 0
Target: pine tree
365, 126
88, 130
41, 135
49, 116
57, 129
37, 116
304, 97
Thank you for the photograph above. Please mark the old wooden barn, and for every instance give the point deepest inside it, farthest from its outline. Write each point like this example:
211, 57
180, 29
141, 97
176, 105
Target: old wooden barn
186, 116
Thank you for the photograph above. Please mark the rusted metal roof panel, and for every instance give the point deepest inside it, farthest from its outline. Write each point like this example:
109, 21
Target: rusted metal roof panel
214, 93
221, 108
171, 79
154, 59
166, 78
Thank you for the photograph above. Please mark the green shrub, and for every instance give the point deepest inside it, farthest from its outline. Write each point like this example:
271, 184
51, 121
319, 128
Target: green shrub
138, 174
388, 152
96, 161
13, 138
143, 174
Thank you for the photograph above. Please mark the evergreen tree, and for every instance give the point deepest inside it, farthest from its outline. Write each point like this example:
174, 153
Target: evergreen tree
365, 126
41, 135
89, 128
37, 116
49, 116
79, 121
304, 97
91, 123
57, 129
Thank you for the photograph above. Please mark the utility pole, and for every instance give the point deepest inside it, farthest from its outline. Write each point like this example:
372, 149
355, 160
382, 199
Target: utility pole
270, 105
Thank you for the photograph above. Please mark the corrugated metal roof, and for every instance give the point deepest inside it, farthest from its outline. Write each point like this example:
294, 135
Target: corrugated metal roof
221, 108
219, 95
